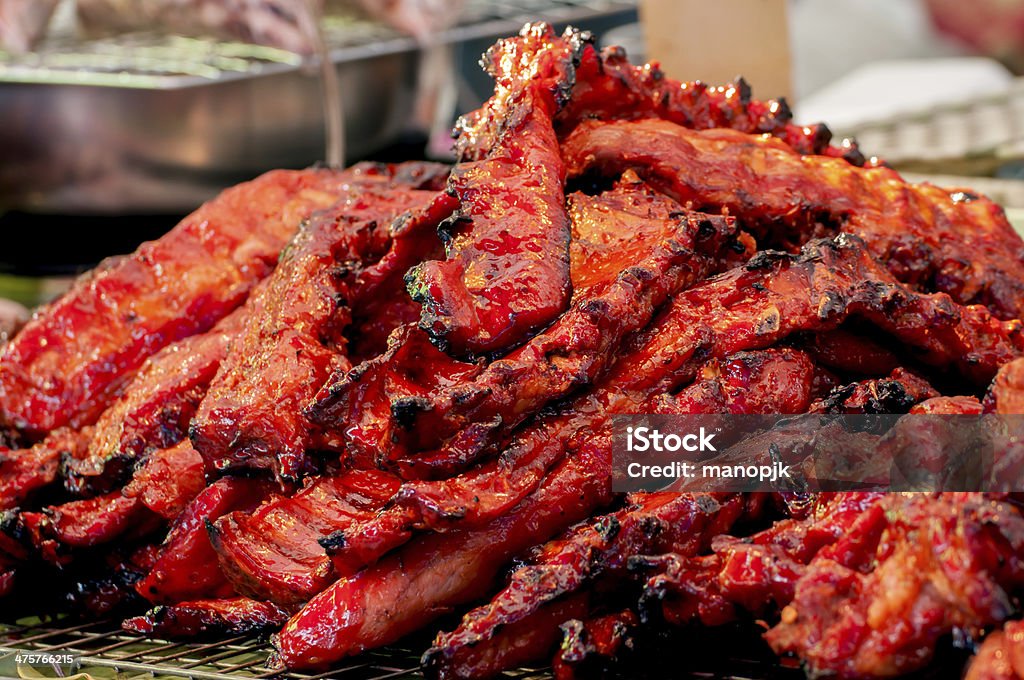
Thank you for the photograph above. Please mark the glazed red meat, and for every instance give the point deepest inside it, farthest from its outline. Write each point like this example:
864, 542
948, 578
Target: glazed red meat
187, 568
65, 368
608, 87
23, 472
507, 268
410, 588
273, 553
930, 238
667, 521
155, 409
1006, 395
168, 480
933, 564
231, 616
59, 530
851, 353
617, 295
252, 415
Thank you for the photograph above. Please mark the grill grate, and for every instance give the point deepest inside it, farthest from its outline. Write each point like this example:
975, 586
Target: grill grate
102, 644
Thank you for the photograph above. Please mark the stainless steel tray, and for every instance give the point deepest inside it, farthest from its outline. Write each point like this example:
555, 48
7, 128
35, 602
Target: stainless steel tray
153, 123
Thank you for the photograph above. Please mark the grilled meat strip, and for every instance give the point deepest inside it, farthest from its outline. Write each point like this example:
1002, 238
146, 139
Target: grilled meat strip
477, 496
413, 586
252, 415
231, 616
187, 567
756, 573
64, 368
507, 268
930, 238
617, 293
59, 530
564, 567
273, 553
168, 480
840, 280
23, 472
560, 568
155, 409
607, 87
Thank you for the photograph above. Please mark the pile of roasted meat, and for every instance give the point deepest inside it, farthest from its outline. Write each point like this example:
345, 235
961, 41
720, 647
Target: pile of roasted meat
335, 405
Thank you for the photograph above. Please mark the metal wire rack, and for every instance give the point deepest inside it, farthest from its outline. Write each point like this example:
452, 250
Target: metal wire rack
103, 645
730, 653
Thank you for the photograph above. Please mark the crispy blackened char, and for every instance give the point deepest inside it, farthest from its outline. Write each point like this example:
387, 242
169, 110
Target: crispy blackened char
899, 392
930, 238
252, 415
65, 367
507, 268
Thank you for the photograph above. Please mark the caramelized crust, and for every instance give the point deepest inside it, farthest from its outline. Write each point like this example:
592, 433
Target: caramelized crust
65, 368
930, 238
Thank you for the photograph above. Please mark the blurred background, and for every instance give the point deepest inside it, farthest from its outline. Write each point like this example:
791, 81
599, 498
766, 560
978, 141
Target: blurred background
118, 117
